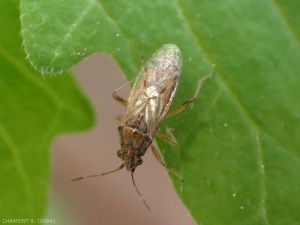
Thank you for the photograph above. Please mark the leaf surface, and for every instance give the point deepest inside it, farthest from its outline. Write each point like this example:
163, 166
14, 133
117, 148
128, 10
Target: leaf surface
33, 110
238, 148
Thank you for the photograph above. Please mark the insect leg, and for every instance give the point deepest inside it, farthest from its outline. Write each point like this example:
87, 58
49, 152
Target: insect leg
169, 139
157, 155
119, 98
187, 103
170, 170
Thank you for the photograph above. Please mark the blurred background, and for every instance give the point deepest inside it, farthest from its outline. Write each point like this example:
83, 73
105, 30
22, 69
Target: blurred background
111, 199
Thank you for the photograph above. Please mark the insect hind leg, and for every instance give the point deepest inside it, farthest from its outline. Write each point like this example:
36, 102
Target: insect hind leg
168, 138
187, 103
170, 170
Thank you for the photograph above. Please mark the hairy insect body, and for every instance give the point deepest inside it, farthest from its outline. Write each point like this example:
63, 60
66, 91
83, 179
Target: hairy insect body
148, 103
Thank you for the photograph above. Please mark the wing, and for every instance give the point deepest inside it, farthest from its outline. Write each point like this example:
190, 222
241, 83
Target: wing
155, 88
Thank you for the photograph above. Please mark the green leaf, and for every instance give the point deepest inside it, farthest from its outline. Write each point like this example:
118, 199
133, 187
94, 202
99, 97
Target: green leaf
238, 148
33, 110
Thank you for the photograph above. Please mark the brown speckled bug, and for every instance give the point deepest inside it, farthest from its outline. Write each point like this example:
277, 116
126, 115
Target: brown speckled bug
148, 104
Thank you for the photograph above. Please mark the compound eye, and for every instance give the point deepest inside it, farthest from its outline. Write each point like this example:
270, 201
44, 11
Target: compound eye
139, 161
119, 153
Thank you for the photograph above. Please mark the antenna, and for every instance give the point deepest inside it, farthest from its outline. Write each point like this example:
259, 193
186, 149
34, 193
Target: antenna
139, 193
99, 174
112, 171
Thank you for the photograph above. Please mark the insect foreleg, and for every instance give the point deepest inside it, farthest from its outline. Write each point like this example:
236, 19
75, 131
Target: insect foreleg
187, 103
170, 170
119, 99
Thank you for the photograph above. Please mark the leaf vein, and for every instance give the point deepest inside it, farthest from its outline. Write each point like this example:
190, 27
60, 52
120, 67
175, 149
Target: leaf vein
285, 21
71, 29
23, 70
120, 30
19, 166
34, 80
263, 182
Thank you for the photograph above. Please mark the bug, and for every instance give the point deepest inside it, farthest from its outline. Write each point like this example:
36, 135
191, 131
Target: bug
148, 104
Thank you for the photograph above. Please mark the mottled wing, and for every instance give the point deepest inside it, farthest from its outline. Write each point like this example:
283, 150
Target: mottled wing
155, 88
